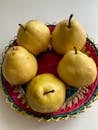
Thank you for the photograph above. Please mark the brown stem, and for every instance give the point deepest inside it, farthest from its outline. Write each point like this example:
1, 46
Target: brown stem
70, 20
75, 50
22, 27
51, 91
12, 46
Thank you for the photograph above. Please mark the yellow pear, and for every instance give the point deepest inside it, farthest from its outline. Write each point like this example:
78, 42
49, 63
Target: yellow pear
77, 69
19, 65
67, 34
45, 93
34, 36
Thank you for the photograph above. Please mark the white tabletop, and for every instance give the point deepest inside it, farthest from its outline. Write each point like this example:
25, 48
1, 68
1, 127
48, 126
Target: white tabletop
13, 12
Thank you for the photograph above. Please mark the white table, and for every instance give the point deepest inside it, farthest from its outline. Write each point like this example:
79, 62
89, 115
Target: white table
13, 12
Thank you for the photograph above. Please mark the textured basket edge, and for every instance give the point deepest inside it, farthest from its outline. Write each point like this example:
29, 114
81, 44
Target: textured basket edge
85, 107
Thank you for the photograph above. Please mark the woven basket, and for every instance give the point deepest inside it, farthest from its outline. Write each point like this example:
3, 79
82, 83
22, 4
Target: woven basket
77, 99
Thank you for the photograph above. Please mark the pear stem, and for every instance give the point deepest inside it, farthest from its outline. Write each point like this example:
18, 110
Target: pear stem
12, 45
70, 20
51, 91
75, 50
22, 27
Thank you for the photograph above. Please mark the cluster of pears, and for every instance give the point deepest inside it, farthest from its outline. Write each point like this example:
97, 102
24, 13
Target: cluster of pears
45, 92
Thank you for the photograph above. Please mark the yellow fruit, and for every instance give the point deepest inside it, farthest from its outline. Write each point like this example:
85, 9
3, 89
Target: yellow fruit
45, 93
67, 34
77, 69
34, 36
19, 65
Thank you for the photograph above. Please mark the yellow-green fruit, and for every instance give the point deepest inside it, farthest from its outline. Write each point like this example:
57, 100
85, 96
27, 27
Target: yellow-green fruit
34, 36
19, 65
45, 93
77, 69
65, 37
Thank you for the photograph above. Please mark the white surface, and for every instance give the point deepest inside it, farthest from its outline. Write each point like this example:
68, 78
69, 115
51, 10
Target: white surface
13, 12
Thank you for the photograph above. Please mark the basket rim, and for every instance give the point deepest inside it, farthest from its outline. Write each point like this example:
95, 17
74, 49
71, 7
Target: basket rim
74, 114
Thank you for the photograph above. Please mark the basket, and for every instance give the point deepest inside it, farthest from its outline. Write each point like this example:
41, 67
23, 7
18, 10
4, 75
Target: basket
77, 101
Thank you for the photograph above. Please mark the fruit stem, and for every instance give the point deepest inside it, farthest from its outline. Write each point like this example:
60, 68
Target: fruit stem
13, 48
70, 20
11, 45
22, 27
75, 50
51, 91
